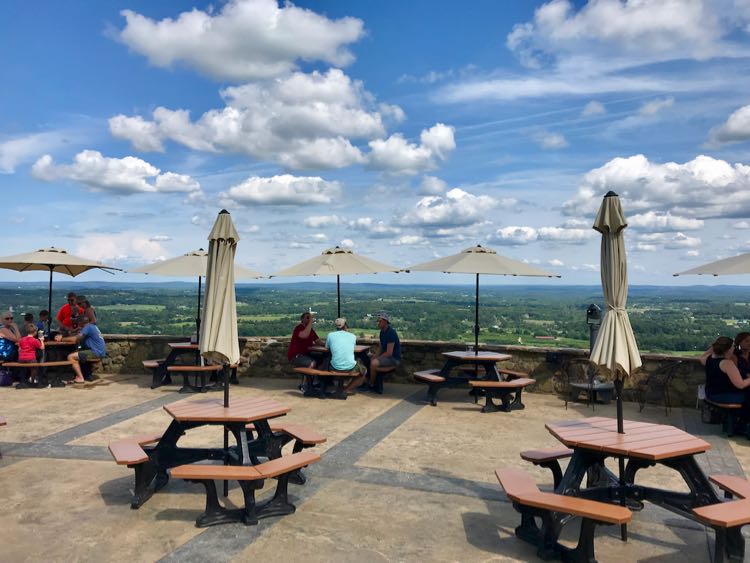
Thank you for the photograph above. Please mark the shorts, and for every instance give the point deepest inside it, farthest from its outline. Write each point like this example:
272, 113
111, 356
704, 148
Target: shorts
87, 355
389, 362
301, 361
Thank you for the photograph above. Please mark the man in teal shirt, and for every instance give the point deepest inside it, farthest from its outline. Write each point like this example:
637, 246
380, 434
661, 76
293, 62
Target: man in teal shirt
341, 344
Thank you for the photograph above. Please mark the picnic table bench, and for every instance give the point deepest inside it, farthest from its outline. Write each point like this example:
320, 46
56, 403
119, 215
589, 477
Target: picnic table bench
727, 516
250, 478
502, 390
550, 459
730, 413
41, 375
338, 376
531, 502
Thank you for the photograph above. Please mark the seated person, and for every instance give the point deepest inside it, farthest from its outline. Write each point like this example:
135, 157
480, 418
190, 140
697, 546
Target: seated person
724, 384
68, 315
44, 319
86, 307
742, 353
341, 344
92, 346
390, 350
303, 337
9, 337
30, 349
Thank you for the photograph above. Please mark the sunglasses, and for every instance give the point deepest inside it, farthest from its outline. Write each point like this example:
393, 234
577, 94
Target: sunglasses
8, 318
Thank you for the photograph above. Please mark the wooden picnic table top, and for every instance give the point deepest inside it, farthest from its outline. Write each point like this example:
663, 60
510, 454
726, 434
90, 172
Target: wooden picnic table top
49, 343
246, 409
183, 346
643, 440
358, 349
480, 356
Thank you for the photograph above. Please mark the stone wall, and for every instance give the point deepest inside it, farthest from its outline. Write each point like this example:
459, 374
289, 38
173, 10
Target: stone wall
266, 357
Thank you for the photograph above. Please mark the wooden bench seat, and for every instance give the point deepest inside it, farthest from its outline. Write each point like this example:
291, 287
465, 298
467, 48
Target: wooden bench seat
728, 516
732, 485
198, 371
729, 414
154, 364
42, 377
502, 390
250, 478
434, 381
531, 502
130, 452
338, 376
549, 458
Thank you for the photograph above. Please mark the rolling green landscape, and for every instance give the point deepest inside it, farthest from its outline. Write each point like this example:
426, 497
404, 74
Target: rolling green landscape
665, 319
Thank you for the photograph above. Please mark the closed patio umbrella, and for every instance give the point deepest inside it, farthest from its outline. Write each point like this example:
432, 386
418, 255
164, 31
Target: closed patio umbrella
615, 351
188, 265
480, 260
337, 262
53, 260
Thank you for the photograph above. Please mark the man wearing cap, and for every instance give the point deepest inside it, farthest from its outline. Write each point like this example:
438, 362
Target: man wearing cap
390, 351
341, 344
92, 347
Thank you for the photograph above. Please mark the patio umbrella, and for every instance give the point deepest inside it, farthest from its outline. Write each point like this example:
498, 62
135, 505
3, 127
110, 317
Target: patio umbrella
728, 266
192, 264
218, 338
480, 260
53, 260
337, 262
615, 351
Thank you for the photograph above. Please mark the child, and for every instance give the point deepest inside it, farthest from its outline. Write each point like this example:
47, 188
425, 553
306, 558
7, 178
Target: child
27, 350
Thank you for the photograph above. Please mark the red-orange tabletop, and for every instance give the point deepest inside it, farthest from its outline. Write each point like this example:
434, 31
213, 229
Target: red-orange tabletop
642, 440
470, 356
246, 409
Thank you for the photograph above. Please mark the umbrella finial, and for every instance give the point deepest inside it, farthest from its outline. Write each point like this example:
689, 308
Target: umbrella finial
610, 193
223, 212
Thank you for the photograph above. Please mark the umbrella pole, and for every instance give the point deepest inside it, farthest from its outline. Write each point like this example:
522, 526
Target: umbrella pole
225, 376
476, 320
198, 314
621, 461
49, 302
338, 295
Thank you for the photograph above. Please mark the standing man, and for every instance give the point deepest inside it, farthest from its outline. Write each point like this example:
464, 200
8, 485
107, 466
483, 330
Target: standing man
303, 337
92, 346
390, 352
341, 344
68, 314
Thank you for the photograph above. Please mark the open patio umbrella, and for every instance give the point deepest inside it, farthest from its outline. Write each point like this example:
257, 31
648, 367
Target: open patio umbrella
615, 351
726, 267
336, 262
480, 260
53, 260
192, 264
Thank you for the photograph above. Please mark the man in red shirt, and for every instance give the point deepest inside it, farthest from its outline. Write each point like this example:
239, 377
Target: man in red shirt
303, 337
68, 314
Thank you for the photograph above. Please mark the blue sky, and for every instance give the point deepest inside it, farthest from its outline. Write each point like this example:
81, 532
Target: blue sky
404, 130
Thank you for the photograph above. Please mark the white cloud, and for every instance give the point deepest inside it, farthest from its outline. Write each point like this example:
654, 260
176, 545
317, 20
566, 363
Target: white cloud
702, 188
127, 175
593, 108
409, 240
550, 141
282, 190
693, 253
20, 150
556, 263
516, 236
319, 237
653, 107
297, 244
653, 241
456, 209
301, 121
741, 225
317, 221
250, 229
122, 247
398, 156
433, 186
246, 39
735, 130
346, 243
373, 227
159, 238
663, 222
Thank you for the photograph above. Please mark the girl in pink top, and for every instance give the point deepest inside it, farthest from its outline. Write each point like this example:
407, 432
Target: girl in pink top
27, 347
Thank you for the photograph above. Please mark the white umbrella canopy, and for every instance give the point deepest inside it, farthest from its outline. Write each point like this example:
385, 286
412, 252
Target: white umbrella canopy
615, 351
193, 263
480, 260
336, 262
52, 260
726, 267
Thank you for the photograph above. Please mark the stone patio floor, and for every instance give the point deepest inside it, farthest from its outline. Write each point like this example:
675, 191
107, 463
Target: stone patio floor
399, 480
